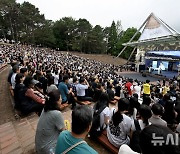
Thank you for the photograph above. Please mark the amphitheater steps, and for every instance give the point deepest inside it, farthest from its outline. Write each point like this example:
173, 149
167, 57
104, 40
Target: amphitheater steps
18, 137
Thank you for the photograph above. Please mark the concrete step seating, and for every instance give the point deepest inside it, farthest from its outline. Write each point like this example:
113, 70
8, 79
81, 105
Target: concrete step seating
18, 137
104, 141
2, 66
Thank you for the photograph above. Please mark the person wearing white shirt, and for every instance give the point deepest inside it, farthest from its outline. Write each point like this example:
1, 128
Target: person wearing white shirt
81, 90
13, 78
56, 78
137, 90
120, 124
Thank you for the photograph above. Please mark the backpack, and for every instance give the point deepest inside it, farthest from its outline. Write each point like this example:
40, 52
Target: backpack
134, 143
95, 131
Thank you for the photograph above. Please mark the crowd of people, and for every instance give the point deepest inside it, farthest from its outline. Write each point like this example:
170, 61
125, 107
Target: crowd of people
46, 81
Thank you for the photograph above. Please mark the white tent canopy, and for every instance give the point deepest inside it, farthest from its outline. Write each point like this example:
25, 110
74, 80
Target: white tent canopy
153, 31
155, 28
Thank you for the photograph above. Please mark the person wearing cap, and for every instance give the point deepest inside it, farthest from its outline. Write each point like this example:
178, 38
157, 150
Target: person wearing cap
30, 100
125, 149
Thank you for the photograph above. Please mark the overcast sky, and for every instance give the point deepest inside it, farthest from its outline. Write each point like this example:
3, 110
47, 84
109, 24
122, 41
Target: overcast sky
132, 13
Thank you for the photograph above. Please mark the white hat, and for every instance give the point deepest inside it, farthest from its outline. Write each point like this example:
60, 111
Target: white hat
125, 149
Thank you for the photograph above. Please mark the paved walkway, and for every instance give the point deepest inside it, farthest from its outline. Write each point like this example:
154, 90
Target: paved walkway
18, 137
6, 108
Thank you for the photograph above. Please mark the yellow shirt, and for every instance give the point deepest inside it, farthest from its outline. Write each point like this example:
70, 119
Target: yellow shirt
146, 88
165, 90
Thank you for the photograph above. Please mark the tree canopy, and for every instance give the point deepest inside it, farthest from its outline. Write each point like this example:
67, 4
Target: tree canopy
24, 23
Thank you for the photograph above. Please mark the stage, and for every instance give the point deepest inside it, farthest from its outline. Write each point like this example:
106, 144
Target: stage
167, 74
153, 77
138, 76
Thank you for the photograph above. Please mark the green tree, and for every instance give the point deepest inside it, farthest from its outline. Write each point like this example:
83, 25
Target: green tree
44, 35
126, 36
95, 41
31, 20
113, 38
9, 12
63, 31
106, 31
119, 29
82, 29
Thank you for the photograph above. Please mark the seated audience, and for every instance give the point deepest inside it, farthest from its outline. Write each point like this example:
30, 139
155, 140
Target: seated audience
112, 98
119, 126
133, 107
169, 114
24, 71
64, 90
50, 124
100, 116
31, 101
97, 92
13, 77
19, 85
51, 86
80, 89
144, 116
73, 142
138, 125
158, 111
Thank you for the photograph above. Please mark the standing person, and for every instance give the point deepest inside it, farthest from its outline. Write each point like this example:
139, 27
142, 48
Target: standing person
50, 124
137, 89
73, 142
129, 86
119, 125
146, 89
81, 90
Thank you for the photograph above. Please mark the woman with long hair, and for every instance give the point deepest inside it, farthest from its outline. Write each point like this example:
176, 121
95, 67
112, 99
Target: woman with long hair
103, 104
119, 126
138, 125
50, 124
